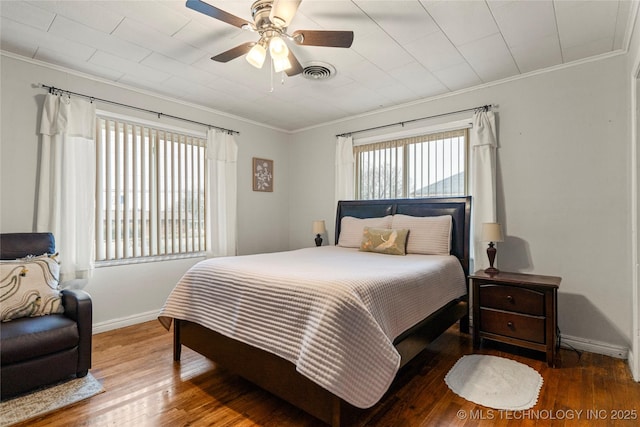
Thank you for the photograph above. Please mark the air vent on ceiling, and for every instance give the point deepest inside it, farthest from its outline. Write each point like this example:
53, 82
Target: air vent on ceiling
318, 71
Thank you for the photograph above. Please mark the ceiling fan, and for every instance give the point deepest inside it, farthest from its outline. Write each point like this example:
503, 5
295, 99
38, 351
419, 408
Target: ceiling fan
270, 20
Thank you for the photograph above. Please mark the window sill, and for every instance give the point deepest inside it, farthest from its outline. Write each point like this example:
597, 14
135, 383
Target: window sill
144, 260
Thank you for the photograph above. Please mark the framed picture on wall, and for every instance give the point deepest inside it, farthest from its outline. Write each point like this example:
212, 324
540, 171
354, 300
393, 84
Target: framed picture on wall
262, 175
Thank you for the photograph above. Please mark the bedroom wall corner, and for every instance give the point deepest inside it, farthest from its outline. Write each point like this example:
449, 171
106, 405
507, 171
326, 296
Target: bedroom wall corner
311, 161
634, 362
633, 71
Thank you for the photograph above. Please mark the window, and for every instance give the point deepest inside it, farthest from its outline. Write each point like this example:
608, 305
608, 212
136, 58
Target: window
423, 166
150, 191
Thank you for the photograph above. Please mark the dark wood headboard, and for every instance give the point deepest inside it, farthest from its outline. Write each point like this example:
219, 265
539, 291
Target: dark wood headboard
458, 207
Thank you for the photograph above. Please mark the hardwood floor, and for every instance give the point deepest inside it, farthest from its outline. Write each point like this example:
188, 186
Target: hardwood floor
144, 387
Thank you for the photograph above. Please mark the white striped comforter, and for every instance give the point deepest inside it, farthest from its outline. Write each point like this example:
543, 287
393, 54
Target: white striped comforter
333, 312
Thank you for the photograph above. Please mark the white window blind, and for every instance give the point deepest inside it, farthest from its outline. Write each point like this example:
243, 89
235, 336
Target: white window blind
422, 166
150, 191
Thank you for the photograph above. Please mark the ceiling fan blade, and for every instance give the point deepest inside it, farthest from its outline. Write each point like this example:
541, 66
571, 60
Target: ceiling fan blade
284, 10
323, 38
234, 52
214, 12
296, 68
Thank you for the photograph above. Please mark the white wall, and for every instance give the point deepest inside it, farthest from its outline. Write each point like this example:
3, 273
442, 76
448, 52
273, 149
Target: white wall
563, 186
127, 294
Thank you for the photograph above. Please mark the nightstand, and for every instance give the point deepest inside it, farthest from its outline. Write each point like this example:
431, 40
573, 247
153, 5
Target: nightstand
518, 309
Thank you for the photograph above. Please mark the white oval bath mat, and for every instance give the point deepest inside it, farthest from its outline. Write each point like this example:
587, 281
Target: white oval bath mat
495, 382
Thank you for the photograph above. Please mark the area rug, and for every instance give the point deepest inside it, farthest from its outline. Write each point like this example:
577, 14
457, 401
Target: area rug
48, 399
495, 382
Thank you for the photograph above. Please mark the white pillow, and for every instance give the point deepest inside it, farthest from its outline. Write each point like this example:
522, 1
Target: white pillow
351, 229
429, 235
30, 287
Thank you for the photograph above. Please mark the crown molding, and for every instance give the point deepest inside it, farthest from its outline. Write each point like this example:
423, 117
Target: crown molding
345, 119
469, 89
135, 89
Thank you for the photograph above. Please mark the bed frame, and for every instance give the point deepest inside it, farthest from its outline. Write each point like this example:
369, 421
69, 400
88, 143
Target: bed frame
280, 377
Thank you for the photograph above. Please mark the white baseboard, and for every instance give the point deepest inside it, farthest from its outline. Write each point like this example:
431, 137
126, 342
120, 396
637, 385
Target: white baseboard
122, 322
592, 346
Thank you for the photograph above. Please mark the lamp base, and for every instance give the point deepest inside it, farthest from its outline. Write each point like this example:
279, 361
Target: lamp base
318, 240
491, 253
492, 270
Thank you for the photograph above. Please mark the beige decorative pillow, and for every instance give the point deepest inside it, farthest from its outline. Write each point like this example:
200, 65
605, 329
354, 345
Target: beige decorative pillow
29, 288
429, 235
351, 229
384, 240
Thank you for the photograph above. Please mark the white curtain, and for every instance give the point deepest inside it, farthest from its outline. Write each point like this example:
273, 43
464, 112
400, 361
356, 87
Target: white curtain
222, 155
482, 181
66, 185
344, 169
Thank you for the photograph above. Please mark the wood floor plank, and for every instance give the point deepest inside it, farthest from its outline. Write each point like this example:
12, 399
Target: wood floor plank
144, 387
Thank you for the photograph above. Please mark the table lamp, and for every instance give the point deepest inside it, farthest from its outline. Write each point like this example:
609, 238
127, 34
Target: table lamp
318, 230
491, 232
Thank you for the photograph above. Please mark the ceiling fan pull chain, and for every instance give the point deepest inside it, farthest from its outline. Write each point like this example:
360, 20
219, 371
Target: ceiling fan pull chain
271, 71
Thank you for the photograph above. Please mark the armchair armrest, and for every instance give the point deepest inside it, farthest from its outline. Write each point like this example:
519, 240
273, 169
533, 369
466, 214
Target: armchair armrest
78, 307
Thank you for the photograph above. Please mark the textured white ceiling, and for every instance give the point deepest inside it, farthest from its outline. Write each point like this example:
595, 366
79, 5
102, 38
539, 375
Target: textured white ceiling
403, 51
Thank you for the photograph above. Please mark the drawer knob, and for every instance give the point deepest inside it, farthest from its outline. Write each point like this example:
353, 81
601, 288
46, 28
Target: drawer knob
509, 298
510, 325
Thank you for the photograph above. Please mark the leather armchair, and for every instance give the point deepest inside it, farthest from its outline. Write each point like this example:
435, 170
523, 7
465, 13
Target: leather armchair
38, 351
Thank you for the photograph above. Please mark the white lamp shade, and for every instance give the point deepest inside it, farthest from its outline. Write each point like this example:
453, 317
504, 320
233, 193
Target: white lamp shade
278, 48
281, 64
318, 227
492, 232
256, 55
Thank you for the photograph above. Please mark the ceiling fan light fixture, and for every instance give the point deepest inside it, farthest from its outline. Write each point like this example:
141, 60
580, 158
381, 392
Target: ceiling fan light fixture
271, 19
281, 64
278, 48
257, 55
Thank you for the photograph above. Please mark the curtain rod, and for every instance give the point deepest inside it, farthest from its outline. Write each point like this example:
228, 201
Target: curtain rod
54, 90
482, 107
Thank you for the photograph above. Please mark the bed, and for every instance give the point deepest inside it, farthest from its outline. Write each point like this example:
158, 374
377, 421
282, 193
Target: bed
306, 326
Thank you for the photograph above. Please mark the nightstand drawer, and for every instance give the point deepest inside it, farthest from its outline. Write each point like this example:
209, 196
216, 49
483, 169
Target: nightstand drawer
511, 298
521, 326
